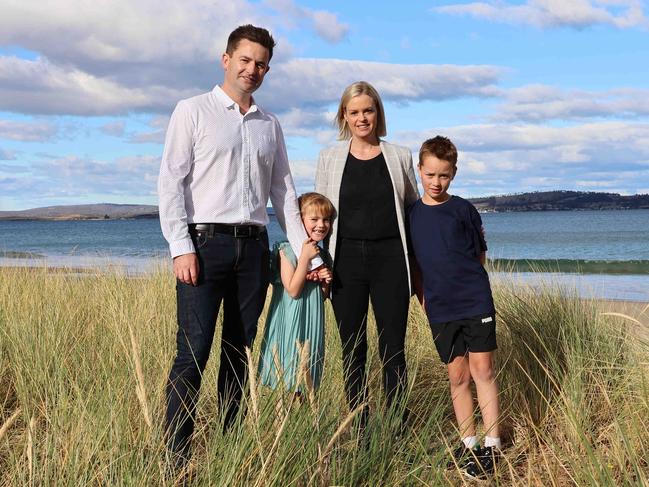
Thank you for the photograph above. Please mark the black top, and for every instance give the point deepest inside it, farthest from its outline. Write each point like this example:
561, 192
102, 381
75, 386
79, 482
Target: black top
447, 241
366, 202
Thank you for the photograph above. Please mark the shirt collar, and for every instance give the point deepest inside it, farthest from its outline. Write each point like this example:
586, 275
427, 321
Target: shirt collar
229, 103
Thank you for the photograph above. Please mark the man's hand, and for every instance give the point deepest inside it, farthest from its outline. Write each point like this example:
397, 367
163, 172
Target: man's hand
186, 268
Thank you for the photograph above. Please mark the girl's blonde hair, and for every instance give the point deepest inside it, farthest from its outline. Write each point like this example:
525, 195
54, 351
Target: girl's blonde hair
356, 89
318, 202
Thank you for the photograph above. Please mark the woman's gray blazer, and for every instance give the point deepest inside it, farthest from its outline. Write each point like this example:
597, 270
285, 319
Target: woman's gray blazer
329, 173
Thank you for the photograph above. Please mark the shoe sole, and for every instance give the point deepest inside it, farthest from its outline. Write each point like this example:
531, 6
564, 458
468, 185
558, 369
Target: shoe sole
483, 478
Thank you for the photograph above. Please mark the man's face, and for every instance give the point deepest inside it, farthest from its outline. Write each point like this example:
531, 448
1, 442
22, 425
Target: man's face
245, 68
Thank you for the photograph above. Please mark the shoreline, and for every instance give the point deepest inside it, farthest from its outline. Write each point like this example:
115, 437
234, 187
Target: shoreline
610, 288
562, 266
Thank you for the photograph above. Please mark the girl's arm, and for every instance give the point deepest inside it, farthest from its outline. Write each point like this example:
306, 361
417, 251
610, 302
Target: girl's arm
483, 258
293, 278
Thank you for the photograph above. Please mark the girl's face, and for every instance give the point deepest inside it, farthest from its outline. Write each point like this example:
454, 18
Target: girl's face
317, 226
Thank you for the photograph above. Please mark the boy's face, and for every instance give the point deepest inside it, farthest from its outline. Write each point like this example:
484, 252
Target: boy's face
317, 226
436, 176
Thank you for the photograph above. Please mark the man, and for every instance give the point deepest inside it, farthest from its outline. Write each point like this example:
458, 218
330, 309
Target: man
223, 157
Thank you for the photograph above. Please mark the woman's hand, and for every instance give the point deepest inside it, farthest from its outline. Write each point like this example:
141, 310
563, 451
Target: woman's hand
325, 275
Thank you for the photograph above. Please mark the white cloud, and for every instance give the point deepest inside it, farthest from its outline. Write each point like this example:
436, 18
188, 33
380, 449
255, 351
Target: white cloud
133, 177
318, 82
324, 23
327, 26
138, 42
118, 56
156, 136
39, 86
112, 57
27, 131
304, 122
556, 13
589, 184
115, 128
526, 137
7, 155
85, 33
525, 157
541, 103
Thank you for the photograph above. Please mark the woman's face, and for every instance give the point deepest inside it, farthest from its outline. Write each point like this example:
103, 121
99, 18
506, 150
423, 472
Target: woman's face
360, 115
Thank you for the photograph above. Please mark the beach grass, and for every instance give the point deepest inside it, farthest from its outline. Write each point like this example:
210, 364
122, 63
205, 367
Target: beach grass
84, 360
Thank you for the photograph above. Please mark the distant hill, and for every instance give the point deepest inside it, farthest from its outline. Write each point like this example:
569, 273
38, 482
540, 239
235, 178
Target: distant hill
560, 200
83, 212
538, 201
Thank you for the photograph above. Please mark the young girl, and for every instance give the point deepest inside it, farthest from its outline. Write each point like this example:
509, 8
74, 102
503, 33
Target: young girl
296, 313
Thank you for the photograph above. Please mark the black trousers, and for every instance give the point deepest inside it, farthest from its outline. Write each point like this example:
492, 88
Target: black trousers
376, 270
234, 271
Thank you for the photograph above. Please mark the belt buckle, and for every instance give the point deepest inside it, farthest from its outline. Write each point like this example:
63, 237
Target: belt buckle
240, 233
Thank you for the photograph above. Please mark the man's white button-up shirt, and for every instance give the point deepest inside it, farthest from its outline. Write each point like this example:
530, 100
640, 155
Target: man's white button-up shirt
220, 166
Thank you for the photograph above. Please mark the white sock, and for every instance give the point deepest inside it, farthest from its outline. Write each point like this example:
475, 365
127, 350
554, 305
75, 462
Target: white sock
493, 441
470, 441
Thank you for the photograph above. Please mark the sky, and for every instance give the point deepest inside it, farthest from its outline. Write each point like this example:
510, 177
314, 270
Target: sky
537, 95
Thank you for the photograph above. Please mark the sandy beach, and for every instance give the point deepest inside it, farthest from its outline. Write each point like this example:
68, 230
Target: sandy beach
635, 313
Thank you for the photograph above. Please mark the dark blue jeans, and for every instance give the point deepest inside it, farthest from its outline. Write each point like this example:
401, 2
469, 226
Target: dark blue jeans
234, 271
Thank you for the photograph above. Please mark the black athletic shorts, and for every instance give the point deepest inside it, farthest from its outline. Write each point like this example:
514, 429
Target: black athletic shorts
456, 338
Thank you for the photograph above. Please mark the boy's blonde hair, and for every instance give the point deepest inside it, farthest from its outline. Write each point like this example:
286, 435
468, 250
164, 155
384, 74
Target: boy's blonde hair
320, 203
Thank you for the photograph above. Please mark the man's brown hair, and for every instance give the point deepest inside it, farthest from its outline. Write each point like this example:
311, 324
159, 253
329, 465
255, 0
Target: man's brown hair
440, 147
253, 34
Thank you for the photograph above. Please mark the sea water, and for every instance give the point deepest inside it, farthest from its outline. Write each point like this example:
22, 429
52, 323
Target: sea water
590, 241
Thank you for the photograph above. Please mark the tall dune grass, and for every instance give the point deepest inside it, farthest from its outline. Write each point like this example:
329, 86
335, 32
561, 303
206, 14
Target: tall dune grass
84, 359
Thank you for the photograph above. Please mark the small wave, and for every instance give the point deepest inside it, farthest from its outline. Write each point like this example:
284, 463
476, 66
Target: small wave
572, 266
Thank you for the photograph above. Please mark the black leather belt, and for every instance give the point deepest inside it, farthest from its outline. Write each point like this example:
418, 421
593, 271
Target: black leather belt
237, 231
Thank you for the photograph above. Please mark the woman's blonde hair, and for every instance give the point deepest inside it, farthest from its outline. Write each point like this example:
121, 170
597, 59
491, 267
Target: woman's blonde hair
356, 89
320, 203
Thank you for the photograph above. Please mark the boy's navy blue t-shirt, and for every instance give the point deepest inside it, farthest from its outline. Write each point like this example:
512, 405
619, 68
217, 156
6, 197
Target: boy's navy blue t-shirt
447, 241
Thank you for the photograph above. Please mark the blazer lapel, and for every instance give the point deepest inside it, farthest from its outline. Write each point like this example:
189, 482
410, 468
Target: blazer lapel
339, 161
392, 162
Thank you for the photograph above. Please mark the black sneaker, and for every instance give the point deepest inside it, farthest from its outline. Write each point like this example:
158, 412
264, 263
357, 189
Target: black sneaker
484, 463
461, 456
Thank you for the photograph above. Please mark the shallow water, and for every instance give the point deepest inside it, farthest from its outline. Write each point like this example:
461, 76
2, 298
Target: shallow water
601, 243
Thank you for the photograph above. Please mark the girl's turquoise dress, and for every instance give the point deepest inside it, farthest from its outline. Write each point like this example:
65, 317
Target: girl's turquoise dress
290, 321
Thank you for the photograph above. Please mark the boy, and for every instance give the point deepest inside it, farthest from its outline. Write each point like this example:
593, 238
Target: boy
453, 287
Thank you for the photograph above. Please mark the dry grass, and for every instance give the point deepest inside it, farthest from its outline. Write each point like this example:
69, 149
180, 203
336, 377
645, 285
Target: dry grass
85, 359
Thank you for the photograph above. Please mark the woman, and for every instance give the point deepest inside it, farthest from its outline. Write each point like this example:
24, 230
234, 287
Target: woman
370, 182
